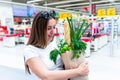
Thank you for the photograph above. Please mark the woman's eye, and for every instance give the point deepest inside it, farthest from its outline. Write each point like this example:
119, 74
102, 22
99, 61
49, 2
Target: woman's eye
54, 27
49, 28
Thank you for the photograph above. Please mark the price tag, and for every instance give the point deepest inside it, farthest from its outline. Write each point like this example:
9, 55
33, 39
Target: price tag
64, 15
68, 14
101, 12
111, 12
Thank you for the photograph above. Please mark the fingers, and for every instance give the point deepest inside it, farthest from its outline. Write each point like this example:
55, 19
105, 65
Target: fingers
84, 69
84, 63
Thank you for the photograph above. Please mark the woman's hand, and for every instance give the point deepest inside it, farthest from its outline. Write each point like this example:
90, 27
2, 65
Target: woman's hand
83, 69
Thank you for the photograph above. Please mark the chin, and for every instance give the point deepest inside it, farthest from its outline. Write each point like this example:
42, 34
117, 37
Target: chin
51, 39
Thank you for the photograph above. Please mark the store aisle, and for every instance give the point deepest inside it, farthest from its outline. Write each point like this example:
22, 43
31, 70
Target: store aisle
12, 56
102, 66
12, 63
10, 73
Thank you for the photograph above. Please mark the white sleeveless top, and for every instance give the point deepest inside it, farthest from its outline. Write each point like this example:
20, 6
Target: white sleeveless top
31, 51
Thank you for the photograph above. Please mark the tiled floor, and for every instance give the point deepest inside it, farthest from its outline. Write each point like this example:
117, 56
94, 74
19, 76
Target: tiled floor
102, 65
11, 63
10, 73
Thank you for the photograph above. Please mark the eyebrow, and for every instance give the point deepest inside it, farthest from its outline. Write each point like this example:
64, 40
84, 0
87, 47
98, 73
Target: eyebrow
49, 26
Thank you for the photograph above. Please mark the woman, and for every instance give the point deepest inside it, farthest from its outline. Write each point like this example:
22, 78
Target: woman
38, 48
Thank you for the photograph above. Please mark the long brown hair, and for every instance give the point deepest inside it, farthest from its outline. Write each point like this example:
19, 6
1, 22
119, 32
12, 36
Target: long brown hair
38, 36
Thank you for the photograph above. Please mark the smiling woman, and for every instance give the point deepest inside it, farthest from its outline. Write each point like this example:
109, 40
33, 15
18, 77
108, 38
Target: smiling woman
38, 49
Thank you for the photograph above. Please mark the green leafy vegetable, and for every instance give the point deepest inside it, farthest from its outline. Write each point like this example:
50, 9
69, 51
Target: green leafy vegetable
53, 55
77, 46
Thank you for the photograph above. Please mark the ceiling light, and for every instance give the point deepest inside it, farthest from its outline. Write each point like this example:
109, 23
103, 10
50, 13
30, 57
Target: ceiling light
81, 4
33, 1
99, 5
41, 7
111, 0
62, 2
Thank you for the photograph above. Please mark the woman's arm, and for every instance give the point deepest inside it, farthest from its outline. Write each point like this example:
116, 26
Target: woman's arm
38, 67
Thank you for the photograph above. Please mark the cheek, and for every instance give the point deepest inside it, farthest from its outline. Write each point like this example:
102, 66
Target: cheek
48, 32
51, 32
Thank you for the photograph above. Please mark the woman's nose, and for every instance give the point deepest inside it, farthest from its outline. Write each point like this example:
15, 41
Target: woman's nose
52, 31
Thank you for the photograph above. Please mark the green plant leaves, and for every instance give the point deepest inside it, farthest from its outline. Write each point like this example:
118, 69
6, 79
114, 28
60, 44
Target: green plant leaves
76, 54
62, 48
77, 46
87, 26
54, 54
75, 35
79, 31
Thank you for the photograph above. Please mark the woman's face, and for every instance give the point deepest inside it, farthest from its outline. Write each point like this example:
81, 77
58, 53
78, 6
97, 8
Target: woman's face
50, 29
